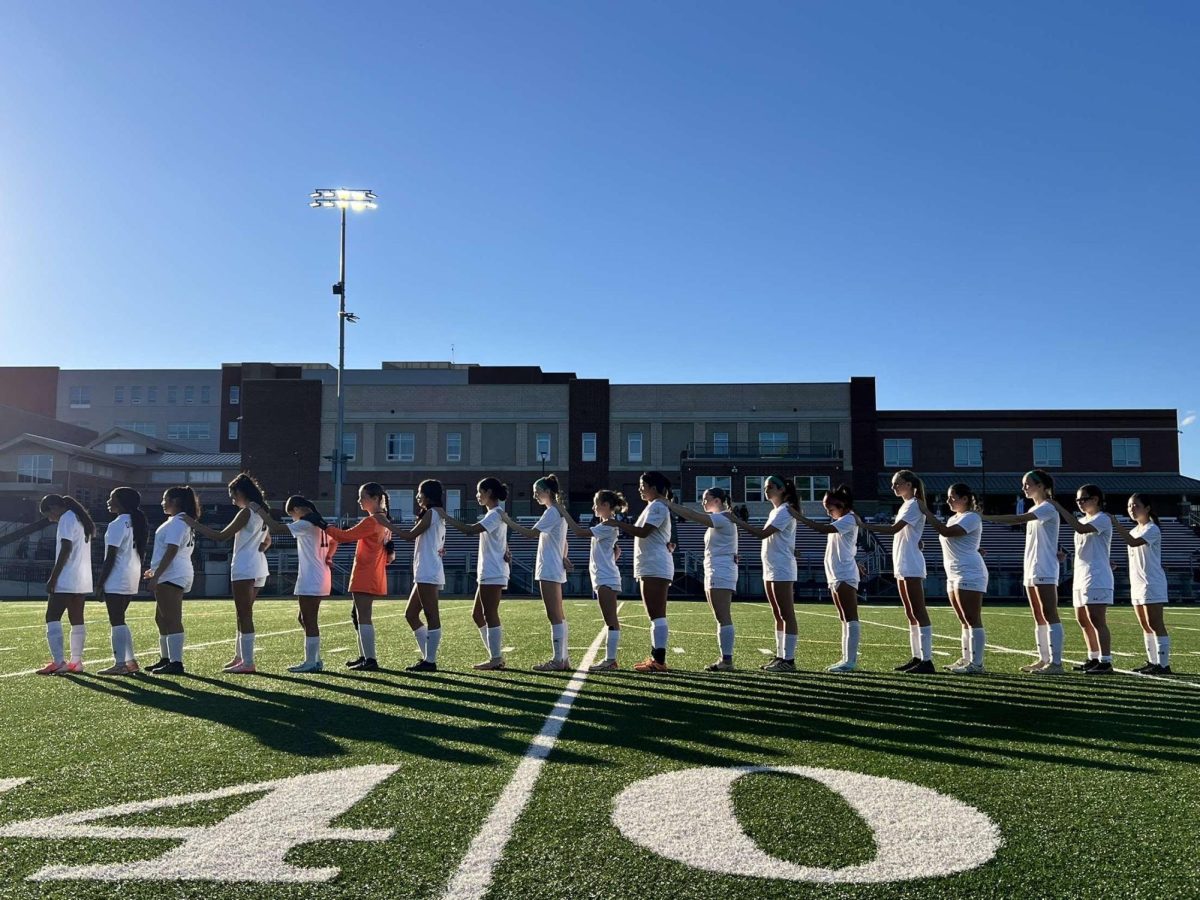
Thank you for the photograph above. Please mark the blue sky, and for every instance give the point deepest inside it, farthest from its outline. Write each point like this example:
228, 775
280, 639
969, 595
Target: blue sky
983, 205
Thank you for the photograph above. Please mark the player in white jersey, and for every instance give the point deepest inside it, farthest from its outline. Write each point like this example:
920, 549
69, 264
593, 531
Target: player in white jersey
492, 568
908, 566
550, 568
720, 566
1147, 582
125, 541
841, 568
966, 573
248, 565
1092, 580
314, 577
778, 553
170, 576
653, 565
603, 553
429, 577
1040, 575
70, 580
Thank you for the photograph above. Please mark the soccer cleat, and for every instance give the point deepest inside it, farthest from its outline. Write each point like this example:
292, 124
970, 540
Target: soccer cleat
965, 669
306, 667
422, 666
117, 669
1100, 668
961, 661
552, 665
131, 667
1049, 669
1033, 667
782, 665
1161, 670
1087, 666
171, 668
911, 664
74, 668
154, 667
355, 663
650, 665
492, 665
767, 665
721, 666
52, 668
241, 669
1144, 668
363, 664
605, 665
924, 667
236, 661
841, 668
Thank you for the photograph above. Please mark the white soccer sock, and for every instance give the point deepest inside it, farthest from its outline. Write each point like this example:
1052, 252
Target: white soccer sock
853, 631
163, 650
237, 644
483, 636
658, 634
926, 642
117, 637
1164, 649
614, 641
1093, 654
54, 639
914, 640
432, 639
175, 647
558, 638
246, 648
965, 640
779, 643
1151, 642
725, 639
978, 641
495, 641
1056, 643
421, 634
366, 639
78, 633
1041, 635
312, 649
789, 646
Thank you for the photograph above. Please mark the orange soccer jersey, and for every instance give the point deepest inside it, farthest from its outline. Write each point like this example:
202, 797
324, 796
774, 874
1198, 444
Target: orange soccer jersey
368, 575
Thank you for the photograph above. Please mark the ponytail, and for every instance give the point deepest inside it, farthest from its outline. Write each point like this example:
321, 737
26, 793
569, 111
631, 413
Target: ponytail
186, 499
58, 501
962, 489
918, 485
790, 497
1040, 476
129, 502
312, 516
375, 489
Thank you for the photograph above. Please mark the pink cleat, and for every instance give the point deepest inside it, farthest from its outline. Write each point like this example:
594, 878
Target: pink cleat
74, 668
241, 669
232, 664
52, 668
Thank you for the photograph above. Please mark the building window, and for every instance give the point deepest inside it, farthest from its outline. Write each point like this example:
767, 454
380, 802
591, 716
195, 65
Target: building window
897, 453
147, 428
1047, 453
188, 431
172, 395
104, 471
165, 477
35, 468
189, 394
811, 487
233, 429
772, 443
400, 504
754, 488
968, 453
542, 446
87, 468
81, 397
205, 394
118, 395
135, 394
205, 477
705, 482
235, 394
633, 446
720, 443
454, 502
401, 446
120, 448
1126, 452
152, 394
453, 446
589, 446
349, 445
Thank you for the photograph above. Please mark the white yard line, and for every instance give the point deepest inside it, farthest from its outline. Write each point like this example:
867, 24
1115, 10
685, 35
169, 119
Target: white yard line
474, 874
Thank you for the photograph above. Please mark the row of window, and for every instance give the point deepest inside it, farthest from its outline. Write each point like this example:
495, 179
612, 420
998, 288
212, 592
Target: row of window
38, 468
80, 396
808, 487
1047, 453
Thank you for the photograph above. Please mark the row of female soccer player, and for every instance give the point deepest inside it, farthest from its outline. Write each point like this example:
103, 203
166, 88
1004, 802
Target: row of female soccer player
169, 573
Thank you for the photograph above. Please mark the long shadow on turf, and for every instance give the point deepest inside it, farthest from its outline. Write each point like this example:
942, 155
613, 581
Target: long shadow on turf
432, 721
1117, 725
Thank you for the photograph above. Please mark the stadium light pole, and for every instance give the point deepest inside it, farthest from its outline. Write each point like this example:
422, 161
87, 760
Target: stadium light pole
356, 200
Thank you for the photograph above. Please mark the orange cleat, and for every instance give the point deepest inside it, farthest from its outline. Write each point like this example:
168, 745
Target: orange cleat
650, 665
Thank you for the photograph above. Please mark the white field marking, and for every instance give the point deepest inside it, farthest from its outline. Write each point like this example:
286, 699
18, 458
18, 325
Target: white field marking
6, 649
258, 637
678, 650
1002, 649
248, 845
765, 652
335, 650
474, 874
507, 649
918, 832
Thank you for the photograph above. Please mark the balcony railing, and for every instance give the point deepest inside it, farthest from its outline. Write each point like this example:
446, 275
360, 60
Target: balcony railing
818, 450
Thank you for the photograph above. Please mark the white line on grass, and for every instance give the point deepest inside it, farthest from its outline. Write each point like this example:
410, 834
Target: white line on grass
474, 873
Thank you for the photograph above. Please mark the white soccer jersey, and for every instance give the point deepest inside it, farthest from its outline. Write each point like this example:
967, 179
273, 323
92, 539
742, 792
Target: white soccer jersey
778, 550
126, 574
1093, 569
427, 557
76, 575
1147, 580
315, 550
249, 563
720, 552
840, 548
174, 533
552, 546
907, 559
960, 555
602, 563
1041, 545
651, 558
493, 543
